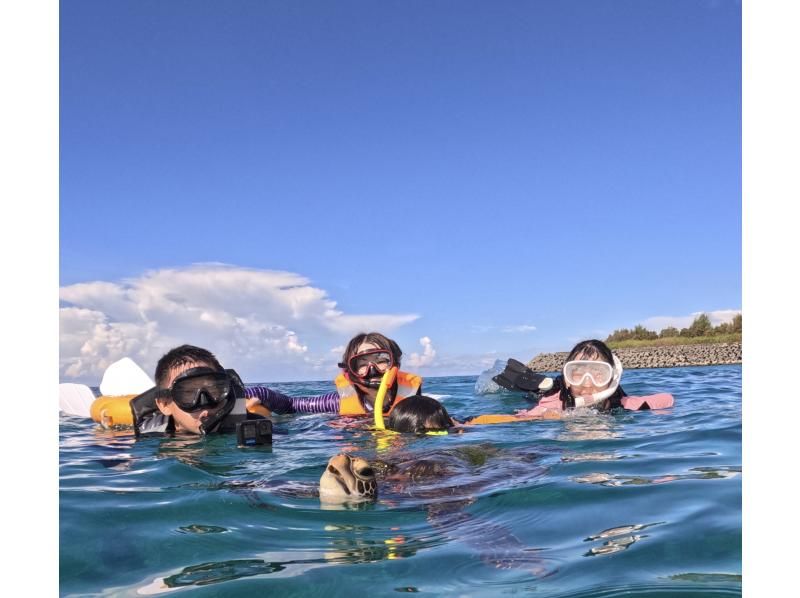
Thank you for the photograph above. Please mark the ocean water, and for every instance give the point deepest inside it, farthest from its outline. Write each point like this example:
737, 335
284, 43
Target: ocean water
625, 504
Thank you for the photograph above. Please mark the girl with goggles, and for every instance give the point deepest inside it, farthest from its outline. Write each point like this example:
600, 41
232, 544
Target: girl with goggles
591, 378
597, 374
379, 360
367, 357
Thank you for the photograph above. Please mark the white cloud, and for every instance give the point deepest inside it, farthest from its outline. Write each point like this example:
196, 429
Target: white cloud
262, 322
717, 317
415, 360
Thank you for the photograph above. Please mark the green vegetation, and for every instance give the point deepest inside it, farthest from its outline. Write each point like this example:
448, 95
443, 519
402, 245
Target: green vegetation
676, 340
699, 332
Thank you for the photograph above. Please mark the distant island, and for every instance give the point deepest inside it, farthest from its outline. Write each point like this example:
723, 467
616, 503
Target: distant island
699, 344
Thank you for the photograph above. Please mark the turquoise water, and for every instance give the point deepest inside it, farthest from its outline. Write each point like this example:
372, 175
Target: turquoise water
523, 508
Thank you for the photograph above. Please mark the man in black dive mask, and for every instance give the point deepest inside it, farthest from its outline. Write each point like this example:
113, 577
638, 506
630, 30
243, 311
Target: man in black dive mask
193, 394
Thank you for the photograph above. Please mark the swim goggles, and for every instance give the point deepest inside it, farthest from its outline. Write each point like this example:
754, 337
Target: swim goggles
380, 359
599, 372
200, 388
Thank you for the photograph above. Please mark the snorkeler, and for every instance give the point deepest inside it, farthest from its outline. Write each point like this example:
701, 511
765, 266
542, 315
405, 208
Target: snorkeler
419, 415
367, 357
590, 378
193, 394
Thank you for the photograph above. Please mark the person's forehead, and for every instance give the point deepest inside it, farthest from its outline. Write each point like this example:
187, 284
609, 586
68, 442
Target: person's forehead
367, 346
588, 356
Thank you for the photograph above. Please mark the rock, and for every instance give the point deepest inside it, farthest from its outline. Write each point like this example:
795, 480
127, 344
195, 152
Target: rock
666, 356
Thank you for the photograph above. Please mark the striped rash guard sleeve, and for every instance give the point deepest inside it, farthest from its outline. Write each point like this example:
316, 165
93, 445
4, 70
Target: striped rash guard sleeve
280, 403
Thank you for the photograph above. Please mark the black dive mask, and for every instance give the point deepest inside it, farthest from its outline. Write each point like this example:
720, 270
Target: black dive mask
206, 388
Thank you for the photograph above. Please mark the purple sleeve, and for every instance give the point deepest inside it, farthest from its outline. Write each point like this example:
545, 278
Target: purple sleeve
281, 403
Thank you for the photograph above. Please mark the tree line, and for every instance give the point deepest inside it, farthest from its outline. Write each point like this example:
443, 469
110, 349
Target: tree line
701, 326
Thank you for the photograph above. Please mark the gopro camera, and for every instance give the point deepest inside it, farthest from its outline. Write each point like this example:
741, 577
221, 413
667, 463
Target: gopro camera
253, 432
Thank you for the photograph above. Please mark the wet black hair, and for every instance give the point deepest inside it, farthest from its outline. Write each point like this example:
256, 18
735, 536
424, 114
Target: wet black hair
181, 356
590, 349
419, 414
376, 338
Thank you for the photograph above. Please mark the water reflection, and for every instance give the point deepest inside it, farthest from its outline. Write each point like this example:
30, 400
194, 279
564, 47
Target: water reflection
200, 512
586, 424
695, 473
621, 538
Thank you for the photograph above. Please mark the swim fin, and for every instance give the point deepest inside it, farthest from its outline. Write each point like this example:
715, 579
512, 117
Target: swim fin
517, 376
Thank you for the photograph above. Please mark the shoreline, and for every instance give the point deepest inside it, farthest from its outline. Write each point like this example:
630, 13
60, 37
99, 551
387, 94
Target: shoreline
654, 357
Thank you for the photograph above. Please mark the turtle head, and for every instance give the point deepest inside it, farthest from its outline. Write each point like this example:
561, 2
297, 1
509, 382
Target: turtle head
348, 479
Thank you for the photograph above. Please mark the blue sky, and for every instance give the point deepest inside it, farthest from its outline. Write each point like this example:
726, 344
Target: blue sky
500, 179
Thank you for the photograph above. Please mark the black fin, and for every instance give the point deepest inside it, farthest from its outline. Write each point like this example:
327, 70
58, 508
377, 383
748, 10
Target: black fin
517, 376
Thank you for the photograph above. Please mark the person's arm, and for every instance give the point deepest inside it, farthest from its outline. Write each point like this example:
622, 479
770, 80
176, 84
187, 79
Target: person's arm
278, 402
549, 407
661, 400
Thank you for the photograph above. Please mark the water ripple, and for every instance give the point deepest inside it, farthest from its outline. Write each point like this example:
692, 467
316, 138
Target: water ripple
650, 501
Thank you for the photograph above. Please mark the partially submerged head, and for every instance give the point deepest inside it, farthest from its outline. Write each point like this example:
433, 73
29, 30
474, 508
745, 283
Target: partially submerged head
347, 479
368, 356
592, 370
419, 414
193, 387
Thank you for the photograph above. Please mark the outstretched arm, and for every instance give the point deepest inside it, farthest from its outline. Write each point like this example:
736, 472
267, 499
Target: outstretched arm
280, 403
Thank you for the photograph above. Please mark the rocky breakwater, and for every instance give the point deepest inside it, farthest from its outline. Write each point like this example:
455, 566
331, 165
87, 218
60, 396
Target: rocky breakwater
666, 356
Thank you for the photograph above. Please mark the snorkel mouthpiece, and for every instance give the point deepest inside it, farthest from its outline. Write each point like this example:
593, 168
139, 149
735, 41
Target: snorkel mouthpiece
373, 378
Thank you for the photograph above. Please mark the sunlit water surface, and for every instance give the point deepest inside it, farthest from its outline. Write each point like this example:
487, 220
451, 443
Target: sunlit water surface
632, 503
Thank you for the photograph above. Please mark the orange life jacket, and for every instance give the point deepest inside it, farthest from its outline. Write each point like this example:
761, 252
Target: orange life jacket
349, 404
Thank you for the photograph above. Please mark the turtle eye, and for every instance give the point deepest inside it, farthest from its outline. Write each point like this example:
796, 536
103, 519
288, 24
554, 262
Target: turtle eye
366, 472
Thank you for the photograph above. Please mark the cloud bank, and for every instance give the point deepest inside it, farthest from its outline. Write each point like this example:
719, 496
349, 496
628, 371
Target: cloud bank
262, 322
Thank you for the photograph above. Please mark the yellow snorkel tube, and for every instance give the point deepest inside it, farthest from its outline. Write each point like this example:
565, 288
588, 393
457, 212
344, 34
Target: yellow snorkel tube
386, 383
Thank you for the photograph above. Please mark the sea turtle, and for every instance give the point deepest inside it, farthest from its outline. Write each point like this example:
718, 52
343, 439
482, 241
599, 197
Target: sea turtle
446, 482
347, 478
450, 475
442, 483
